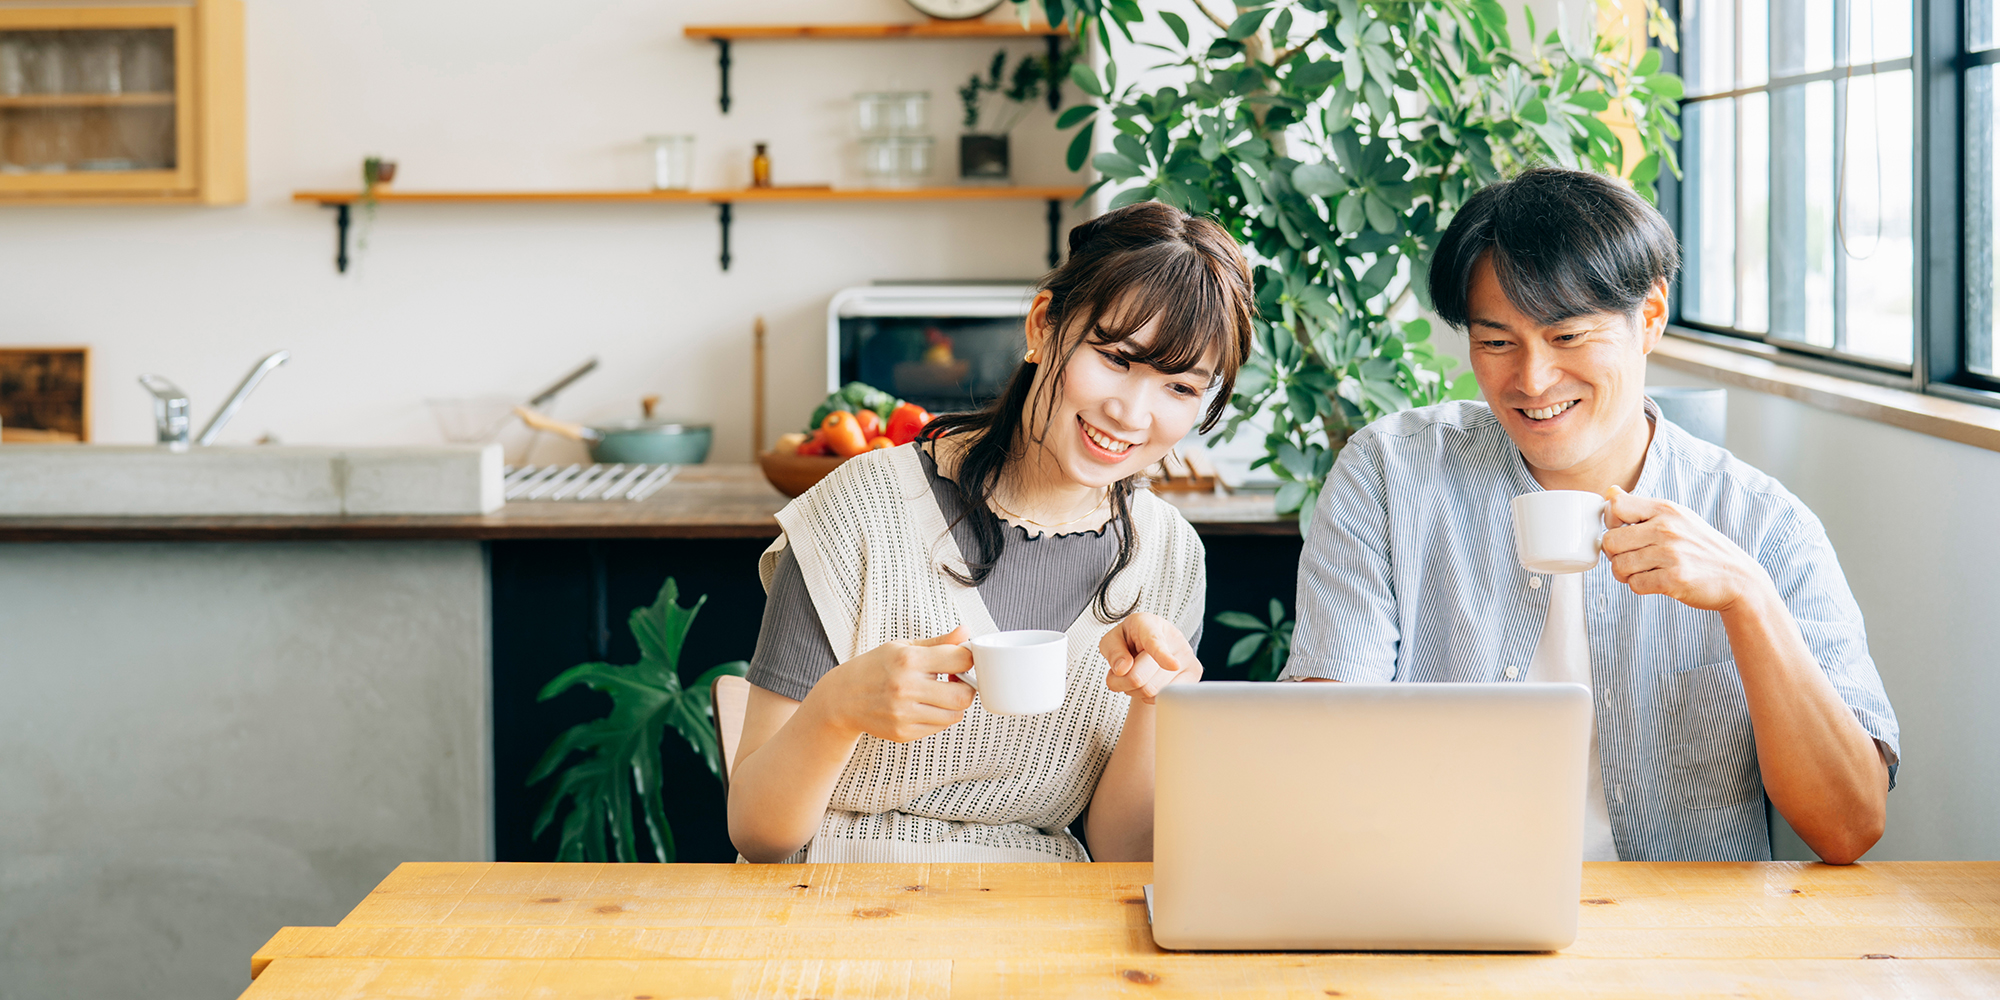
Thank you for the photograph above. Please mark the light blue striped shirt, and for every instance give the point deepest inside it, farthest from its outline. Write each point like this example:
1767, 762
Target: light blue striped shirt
1409, 574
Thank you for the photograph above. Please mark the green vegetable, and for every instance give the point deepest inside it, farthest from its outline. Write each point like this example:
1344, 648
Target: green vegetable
855, 397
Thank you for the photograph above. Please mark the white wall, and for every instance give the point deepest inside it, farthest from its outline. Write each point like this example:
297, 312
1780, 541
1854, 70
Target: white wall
469, 300
1912, 519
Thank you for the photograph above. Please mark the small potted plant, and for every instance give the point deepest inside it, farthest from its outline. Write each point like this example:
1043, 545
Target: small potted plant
1000, 100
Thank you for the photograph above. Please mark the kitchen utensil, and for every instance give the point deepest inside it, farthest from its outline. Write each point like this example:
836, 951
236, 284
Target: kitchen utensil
644, 440
479, 419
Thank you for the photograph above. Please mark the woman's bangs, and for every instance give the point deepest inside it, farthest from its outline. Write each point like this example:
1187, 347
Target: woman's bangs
1197, 320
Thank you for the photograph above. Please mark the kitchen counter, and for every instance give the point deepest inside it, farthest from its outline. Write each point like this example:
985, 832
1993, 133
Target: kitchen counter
702, 501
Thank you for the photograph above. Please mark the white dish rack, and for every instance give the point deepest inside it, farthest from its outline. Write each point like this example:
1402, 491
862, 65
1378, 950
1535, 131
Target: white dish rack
586, 482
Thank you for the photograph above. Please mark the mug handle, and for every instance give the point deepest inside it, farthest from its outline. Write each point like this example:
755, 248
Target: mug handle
970, 678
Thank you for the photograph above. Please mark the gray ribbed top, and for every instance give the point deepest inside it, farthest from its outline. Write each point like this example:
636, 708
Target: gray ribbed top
1037, 583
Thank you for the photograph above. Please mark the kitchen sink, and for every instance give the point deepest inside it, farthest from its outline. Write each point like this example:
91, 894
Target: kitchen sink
56, 480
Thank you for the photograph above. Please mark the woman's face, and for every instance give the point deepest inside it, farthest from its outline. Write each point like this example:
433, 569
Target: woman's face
1110, 417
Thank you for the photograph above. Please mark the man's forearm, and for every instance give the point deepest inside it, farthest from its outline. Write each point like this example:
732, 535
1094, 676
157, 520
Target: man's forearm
1821, 769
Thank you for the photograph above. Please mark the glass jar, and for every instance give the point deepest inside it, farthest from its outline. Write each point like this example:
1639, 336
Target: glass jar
673, 162
893, 112
896, 161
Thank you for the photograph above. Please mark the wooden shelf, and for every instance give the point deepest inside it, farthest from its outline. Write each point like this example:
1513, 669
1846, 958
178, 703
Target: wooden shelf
712, 197
725, 35
88, 101
864, 32
342, 202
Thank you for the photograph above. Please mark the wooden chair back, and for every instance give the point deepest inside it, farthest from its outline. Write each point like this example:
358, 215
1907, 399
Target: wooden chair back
731, 696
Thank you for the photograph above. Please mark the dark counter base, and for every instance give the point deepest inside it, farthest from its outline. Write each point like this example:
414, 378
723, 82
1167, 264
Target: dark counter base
558, 603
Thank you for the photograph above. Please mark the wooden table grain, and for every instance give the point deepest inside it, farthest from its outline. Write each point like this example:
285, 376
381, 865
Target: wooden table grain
652, 932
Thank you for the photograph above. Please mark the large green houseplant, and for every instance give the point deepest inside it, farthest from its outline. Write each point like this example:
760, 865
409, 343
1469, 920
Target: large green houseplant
1335, 139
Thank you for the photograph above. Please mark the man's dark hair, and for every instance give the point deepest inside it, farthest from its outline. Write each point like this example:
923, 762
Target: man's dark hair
1564, 243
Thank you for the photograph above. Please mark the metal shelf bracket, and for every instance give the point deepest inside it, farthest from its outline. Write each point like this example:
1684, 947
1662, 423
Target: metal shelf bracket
1055, 232
722, 65
723, 217
343, 217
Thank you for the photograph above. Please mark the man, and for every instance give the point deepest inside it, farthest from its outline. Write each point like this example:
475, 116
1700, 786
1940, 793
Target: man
1727, 659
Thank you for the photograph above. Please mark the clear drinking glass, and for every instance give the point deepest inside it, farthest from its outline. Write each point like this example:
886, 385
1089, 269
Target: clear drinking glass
46, 61
147, 62
99, 58
673, 162
13, 72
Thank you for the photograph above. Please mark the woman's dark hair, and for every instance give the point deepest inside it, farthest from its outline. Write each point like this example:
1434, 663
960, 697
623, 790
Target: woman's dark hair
1563, 242
1124, 268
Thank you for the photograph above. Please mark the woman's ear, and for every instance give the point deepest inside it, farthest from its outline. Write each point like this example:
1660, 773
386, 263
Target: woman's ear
1038, 321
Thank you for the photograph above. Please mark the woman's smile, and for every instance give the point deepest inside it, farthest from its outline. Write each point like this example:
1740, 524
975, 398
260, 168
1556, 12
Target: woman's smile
1102, 444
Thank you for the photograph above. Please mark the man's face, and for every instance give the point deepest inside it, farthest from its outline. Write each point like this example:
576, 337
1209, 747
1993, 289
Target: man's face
1569, 395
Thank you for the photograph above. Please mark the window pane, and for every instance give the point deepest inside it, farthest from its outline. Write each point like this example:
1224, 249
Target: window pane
1982, 223
1802, 240
1753, 190
1801, 36
1876, 207
1877, 30
1979, 24
1708, 292
1754, 57
1711, 57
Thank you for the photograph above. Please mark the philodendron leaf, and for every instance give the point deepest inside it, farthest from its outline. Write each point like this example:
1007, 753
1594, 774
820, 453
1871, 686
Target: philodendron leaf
1245, 648
1318, 179
1237, 619
620, 753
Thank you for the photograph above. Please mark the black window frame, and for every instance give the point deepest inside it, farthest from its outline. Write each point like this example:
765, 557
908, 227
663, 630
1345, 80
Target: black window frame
1940, 59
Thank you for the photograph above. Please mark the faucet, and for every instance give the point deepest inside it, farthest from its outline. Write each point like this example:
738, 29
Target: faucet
170, 404
170, 411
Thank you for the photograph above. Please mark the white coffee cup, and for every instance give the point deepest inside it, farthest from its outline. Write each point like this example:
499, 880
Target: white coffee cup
1022, 672
1558, 531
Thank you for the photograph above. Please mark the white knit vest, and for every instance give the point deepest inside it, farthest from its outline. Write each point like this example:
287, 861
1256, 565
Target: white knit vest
871, 542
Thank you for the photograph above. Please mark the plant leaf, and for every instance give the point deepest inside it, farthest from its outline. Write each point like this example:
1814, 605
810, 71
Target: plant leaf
1237, 619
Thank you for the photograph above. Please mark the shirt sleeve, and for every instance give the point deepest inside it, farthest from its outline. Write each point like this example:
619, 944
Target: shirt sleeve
1347, 625
1801, 561
793, 652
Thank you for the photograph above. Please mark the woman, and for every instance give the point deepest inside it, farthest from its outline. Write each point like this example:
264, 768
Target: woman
859, 743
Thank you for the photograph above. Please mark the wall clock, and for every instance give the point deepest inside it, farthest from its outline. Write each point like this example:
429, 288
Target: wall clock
954, 10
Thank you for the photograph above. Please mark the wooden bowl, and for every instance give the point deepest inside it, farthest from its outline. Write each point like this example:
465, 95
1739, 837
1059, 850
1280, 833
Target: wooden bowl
795, 474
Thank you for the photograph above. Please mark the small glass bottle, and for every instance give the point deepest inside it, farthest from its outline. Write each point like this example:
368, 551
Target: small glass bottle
760, 168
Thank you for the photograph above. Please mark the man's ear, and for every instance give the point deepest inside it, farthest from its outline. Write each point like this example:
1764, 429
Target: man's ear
1653, 317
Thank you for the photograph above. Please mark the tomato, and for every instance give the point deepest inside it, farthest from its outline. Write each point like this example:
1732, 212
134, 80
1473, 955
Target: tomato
878, 443
842, 434
870, 421
905, 422
814, 445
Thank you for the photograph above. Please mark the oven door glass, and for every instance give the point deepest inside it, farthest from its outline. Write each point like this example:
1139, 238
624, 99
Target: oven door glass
942, 364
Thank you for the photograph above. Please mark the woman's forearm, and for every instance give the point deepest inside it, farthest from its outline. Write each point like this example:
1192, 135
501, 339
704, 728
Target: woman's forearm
1119, 825
779, 789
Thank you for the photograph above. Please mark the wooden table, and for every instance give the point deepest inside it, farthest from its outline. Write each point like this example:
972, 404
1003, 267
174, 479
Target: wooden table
650, 932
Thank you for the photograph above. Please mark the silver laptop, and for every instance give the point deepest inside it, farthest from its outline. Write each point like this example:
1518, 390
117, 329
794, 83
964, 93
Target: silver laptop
1432, 817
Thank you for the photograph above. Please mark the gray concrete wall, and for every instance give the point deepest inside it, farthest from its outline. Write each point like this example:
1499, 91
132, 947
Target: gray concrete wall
1916, 522
201, 743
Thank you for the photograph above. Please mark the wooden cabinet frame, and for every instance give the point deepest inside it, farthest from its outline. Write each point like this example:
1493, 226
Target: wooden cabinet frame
208, 99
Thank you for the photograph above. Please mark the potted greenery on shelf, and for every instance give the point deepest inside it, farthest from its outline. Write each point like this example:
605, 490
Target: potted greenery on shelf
1001, 100
1336, 139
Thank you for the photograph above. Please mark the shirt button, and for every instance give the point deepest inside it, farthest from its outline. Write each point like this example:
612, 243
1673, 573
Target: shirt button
1513, 672
1534, 583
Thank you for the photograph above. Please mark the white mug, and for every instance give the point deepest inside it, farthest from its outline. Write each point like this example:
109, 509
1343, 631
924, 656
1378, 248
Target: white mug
1022, 672
1558, 531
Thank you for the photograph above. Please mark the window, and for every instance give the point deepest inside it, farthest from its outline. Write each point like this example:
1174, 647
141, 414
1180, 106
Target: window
1828, 147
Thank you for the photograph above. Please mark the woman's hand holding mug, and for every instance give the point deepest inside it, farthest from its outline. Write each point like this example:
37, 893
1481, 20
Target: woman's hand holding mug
892, 692
1147, 654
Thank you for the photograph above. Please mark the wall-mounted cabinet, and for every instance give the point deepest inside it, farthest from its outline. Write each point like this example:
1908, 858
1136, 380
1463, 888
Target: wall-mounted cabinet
122, 103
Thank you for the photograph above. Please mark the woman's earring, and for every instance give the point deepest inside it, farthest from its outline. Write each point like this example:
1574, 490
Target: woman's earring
1030, 356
